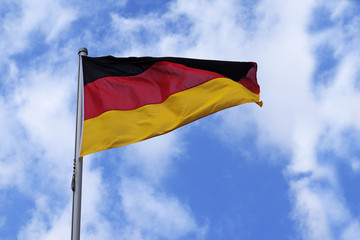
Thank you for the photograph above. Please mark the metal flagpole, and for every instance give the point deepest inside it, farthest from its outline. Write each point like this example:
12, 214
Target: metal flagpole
76, 183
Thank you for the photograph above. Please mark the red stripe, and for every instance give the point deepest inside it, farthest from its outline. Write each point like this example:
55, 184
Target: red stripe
152, 86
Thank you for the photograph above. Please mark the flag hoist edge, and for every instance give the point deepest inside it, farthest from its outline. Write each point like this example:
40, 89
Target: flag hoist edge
127, 100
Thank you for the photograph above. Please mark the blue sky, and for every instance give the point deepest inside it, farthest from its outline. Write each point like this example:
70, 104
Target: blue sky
289, 170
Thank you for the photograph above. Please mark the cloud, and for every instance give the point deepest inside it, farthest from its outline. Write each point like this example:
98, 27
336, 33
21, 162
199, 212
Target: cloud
296, 113
152, 214
46, 222
154, 159
33, 20
301, 117
351, 230
319, 210
51, 220
36, 119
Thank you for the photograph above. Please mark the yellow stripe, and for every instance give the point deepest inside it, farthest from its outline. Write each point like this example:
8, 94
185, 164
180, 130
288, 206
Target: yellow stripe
118, 128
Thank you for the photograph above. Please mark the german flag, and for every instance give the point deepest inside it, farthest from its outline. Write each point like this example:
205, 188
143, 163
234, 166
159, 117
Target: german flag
127, 100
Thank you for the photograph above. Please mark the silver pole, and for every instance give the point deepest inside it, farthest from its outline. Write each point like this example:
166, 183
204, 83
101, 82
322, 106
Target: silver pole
76, 183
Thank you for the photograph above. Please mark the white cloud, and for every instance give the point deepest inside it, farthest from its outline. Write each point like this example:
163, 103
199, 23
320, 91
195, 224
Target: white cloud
295, 113
44, 19
355, 165
8, 167
351, 231
154, 158
310, 116
36, 122
152, 214
320, 210
42, 219
49, 17
50, 220
36, 139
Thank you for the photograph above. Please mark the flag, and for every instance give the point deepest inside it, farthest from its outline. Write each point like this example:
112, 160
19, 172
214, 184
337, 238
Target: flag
127, 100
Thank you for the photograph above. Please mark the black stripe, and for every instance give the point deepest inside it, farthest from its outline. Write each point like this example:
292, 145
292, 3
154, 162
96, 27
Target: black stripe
99, 67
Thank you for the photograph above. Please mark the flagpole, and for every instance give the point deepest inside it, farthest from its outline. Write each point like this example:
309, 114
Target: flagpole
76, 184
